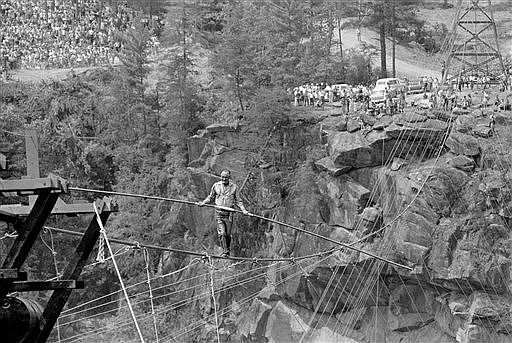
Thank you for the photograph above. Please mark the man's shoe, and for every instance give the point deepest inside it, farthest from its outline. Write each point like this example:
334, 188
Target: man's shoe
225, 254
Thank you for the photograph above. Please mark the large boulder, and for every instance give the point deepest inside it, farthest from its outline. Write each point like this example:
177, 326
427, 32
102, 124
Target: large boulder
383, 122
378, 139
350, 149
463, 163
346, 198
285, 324
409, 117
252, 324
430, 129
326, 164
462, 144
353, 125
334, 124
326, 335
483, 131
411, 307
414, 200
474, 318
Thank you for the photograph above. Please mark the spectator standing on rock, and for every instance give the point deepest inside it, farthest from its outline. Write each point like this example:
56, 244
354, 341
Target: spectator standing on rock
224, 194
485, 98
492, 124
435, 85
497, 101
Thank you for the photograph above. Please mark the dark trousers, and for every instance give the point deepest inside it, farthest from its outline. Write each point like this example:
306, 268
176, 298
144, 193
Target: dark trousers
224, 226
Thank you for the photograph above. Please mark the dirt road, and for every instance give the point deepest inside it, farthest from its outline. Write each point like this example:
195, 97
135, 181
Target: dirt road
404, 67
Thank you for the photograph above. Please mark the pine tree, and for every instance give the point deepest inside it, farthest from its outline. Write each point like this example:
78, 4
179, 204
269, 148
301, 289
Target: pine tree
179, 116
134, 71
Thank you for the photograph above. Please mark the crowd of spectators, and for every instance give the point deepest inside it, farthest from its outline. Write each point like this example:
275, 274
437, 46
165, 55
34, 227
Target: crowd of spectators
319, 94
40, 34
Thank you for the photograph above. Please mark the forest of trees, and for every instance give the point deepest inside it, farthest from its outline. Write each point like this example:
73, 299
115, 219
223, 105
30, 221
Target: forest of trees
125, 127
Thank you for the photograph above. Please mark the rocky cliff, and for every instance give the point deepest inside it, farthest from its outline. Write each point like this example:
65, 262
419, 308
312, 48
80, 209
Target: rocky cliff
428, 191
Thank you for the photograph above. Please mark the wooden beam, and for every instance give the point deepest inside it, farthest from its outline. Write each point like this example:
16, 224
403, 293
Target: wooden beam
29, 286
34, 186
60, 208
3, 162
73, 270
28, 230
13, 274
32, 154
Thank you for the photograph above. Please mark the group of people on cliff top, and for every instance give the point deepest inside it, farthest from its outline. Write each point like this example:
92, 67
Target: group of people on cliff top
463, 92
318, 94
40, 34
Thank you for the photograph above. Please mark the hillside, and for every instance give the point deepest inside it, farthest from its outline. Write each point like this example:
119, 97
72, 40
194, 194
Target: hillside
364, 226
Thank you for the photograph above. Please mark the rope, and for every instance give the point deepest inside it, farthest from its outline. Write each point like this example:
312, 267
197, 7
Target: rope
146, 262
369, 283
115, 301
202, 255
181, 303
213, 298
8, 235
243, 301
51, 247
54, 255
348, 246
104, 233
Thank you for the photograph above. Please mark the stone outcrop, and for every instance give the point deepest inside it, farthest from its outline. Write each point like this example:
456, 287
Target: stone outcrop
445, 215
463, 144
463, 163
334, 124
326, 164
401, 136
345, 198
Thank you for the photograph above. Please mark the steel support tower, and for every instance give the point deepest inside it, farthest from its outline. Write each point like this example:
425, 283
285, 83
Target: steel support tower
473, 47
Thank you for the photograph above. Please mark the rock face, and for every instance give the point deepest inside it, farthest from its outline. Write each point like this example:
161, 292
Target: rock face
402, 137
444, 216
463, 163
350, 149
462, 144
345, 198
326, 164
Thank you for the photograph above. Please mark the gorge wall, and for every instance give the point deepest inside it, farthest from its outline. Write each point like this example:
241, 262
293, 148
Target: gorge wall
435, 188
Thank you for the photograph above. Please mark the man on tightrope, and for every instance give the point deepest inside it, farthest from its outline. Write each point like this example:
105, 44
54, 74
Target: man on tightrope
224, 193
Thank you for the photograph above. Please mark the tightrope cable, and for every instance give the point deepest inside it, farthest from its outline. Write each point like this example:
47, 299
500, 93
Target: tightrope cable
348, 246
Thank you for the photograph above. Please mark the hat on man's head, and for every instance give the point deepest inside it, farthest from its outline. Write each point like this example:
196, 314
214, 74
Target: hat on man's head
225, 173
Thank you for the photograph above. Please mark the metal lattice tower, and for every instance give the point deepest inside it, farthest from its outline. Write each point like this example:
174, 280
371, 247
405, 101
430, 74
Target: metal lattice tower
473, 47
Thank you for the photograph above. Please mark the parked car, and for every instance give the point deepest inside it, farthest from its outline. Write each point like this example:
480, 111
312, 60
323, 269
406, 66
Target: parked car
340, 86
393, 86
378, 95
415, 85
